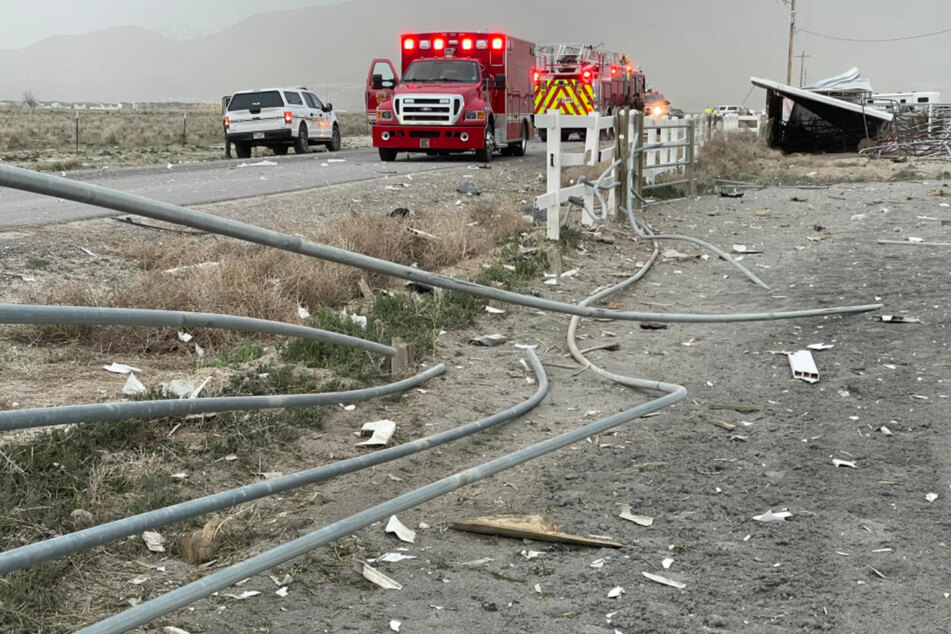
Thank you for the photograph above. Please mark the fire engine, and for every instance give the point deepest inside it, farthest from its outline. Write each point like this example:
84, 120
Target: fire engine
581, 79
460, 91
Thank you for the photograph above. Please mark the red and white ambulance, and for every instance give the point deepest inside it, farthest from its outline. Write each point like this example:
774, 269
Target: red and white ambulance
459, 91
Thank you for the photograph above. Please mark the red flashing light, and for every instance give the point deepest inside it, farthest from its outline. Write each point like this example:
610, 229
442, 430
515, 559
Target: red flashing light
536, 76
409, 44
439, 44
586, 76
630, 68
614, 71
467, 44
288, 117
497, 43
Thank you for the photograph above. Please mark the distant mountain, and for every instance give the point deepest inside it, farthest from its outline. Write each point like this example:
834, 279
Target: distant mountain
697, 54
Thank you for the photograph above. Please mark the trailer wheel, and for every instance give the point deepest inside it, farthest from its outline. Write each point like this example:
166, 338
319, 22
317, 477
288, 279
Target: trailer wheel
485, 154
387, 155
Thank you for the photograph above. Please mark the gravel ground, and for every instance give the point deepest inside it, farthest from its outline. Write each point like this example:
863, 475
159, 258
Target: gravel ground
865, 548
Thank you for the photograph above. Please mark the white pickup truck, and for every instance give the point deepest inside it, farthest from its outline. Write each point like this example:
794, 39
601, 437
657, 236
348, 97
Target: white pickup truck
279, 118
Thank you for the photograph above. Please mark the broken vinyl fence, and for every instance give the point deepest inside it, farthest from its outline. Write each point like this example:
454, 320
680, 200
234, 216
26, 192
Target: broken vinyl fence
181, 597
49, 185
38, 552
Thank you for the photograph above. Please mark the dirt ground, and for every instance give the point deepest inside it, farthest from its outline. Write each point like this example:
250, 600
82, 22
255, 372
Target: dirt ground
865, 549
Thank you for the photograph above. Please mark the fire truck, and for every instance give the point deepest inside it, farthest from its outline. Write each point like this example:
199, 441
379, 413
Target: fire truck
459, 91
580, 79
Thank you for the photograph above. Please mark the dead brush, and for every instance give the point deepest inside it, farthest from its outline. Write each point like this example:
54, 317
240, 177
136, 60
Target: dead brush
740, 157
256, 281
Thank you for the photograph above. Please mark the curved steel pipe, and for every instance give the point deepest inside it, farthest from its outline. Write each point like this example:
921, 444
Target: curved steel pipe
90, 194
36, 314
63, 545
179, 598
69, 414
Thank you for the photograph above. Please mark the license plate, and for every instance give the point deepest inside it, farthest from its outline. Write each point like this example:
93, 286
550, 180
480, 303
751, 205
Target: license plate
424, 143
257, 135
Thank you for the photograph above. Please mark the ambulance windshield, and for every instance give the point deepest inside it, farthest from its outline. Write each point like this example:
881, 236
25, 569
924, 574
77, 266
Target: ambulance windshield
442, 70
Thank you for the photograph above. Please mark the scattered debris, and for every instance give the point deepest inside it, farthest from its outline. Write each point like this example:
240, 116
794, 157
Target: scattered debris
178, 387
769, 516
897, 319
247, 594
188, 267
665, 581
885, 430
391, 558
395, 625
931, 497
725, 425
184, 337
615, 592
640, 520
259, 164
375, 576
843, 463
302, 312
281, 592
168, 629
404, 534
667, 563
528, 527
803, 366
742, 248
120, 368
493, 310
821, 346
200, 546
133, 386
153, 541
489, 341
381, 430
597, 564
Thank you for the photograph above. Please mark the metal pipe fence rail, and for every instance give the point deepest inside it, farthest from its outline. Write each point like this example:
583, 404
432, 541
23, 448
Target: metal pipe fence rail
37, 314
90, 194
73, 414
63, 545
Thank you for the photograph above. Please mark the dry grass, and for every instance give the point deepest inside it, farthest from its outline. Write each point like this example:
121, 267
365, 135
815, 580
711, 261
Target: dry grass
266, 283
741, 157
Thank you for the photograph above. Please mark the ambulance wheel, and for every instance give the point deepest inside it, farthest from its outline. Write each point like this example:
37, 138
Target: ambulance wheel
387, 155
519, 148
485, 154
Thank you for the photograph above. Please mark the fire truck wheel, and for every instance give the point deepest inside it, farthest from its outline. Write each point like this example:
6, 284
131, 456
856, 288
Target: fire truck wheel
387, 154
485, 154
334, 144
242, 149
301, 142
518, 149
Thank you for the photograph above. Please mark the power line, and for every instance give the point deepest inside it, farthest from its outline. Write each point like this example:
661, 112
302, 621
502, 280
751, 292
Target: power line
890, 39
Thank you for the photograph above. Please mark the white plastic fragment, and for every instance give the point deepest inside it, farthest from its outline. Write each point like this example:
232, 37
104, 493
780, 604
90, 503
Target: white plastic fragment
133, 386
769, 516
640, 520
931, 497
258, 164
821, 346
120, 368
404, 534
247, 594
179, 387
153, 541
667, 563
381, 430
665, 581
391, 558
803, 366
169, 629
493, 310
616, 591
281, 592
184, 337
302, 312
395, 625
843, 463
597, 564
375, 576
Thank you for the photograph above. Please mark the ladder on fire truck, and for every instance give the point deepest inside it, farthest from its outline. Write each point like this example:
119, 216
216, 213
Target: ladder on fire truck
571, 58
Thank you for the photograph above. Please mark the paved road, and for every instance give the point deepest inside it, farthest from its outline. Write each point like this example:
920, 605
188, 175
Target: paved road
198, 183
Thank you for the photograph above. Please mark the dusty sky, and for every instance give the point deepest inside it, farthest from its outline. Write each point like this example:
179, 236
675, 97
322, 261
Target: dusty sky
25, 22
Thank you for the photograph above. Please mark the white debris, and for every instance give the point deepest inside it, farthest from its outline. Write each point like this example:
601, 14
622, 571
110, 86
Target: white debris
493, 310
138, 581
133, 386
821, 346
395, 625
184, 336
396, 527
667, 563
199, 351
381, 430
597, 564
302, 312
391, 558
665, 581
247, 594
258, 164
769, 516
348, 408
120, 368
616, 591
804, 366
281, 592
168, 629
532, 554
153, 541
181, 388
640, 520
931, 497
843, 463
375, 576
188, 267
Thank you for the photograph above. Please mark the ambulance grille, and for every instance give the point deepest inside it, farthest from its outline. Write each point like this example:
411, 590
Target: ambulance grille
428, 109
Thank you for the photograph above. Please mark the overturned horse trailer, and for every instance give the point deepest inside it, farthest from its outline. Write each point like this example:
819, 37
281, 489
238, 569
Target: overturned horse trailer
805, 121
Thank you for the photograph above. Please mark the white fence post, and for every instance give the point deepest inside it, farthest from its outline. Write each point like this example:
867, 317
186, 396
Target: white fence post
554, 175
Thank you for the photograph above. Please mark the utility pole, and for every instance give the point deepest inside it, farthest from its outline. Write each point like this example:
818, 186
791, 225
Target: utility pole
802, 67
792, 30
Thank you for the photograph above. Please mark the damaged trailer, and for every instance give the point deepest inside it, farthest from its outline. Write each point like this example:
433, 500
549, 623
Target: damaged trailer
801, 120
